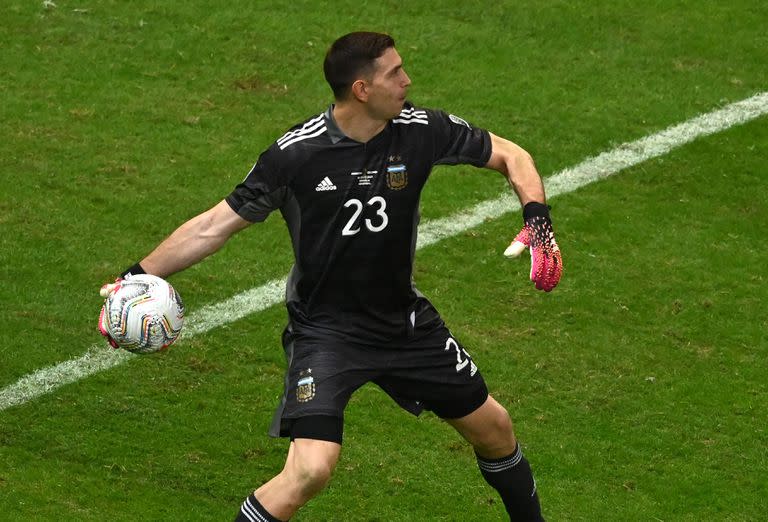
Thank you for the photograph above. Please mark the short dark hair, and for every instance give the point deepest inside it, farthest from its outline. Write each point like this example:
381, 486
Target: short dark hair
351, 55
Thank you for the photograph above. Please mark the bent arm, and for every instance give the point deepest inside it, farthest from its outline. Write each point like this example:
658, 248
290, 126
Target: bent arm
195, 240
518, 167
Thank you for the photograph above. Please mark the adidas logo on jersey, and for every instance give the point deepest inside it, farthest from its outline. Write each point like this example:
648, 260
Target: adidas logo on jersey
326, 184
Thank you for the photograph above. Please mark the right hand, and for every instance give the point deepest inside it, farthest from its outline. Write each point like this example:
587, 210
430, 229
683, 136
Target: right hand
104, 292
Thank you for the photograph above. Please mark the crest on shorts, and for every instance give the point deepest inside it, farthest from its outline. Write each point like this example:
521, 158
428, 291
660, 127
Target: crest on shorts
397, 174
305, 389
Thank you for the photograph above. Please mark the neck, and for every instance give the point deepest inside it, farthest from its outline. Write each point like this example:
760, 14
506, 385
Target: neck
356, 123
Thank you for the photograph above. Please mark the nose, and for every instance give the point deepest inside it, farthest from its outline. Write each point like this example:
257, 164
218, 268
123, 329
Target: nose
406, 79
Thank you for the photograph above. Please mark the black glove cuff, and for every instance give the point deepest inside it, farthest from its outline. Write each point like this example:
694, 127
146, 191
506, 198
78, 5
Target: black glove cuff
534, 209
134, 270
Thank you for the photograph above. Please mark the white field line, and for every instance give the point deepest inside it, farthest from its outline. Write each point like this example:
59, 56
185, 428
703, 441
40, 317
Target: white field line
98, 358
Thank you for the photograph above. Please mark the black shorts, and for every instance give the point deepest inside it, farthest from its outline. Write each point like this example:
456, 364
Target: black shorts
432, 371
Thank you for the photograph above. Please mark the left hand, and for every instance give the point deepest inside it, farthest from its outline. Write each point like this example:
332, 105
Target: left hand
546, 260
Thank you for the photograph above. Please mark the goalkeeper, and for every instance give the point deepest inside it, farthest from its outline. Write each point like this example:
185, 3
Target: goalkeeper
347, 182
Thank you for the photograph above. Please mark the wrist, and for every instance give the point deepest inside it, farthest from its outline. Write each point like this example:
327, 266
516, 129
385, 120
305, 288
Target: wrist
134, 270
535, 209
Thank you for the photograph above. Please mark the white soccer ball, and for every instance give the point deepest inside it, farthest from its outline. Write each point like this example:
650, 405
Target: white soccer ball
143, 314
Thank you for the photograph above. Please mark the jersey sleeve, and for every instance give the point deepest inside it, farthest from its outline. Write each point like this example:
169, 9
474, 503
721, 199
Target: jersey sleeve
263, 190
458, 142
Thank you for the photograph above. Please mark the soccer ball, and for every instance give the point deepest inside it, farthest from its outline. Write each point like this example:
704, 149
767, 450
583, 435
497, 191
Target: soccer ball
143, 314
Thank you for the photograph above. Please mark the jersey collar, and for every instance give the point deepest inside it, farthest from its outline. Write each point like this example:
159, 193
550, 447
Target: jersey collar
333, 130
336, 134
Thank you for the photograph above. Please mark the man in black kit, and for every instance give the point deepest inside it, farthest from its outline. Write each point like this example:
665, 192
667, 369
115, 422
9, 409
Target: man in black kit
347, 182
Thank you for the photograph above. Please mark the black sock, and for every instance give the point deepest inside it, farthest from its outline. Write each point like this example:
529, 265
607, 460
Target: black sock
253, 511
511, 476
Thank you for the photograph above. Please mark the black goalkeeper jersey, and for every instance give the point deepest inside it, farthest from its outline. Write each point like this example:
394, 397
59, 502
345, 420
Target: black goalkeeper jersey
352, 211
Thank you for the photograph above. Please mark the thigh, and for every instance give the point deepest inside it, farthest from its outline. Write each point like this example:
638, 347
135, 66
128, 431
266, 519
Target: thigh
488, 429
309, 454
323, 372
437, 373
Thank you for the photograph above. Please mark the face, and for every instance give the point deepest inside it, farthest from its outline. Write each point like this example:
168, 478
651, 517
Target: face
388, 86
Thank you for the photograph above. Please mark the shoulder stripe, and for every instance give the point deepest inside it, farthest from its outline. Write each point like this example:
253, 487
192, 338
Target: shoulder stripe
412, 115
302, 137
408, 121
307, 128
413, 112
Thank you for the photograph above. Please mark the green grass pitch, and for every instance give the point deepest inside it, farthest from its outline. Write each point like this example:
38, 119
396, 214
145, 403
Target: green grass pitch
638, 387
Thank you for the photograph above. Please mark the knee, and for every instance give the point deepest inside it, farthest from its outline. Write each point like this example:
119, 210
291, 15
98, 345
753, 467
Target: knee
310, 476
497, 438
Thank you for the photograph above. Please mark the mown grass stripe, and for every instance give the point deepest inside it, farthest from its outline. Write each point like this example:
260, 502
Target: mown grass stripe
98, 358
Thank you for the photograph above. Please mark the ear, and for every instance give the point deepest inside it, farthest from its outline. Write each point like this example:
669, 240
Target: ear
360, 90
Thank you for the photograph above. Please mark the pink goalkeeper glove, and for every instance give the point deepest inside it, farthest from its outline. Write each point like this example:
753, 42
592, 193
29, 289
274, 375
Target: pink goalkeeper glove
546, 260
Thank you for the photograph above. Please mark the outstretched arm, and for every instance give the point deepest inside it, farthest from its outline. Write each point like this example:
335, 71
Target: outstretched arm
193, 241
518, 167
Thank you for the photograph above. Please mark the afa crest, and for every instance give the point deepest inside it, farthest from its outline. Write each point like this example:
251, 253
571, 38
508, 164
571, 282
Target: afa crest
397, 176
305, 389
